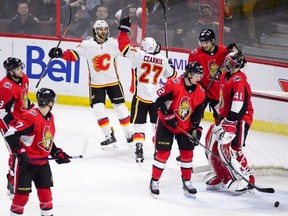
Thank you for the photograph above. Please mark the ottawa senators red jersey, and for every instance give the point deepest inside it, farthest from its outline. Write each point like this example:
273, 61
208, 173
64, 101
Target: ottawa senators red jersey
36, 134
14, 96
235, 96
210, 63
182, 103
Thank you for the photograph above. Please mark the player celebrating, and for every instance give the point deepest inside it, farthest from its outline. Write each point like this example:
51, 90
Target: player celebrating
14, 102
235, 117
32, 138
150, 66
101, 52
180, 104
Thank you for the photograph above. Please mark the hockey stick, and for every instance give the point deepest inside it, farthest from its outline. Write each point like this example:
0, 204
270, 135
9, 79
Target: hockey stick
43, 73
84, 150
165, 26
264, 190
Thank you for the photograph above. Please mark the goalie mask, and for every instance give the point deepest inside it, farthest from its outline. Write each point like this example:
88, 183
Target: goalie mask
100, 24
234, 60
149, 45
44, 96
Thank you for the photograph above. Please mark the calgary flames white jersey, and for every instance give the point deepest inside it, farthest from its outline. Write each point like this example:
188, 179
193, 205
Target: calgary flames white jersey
101, 59
149, 69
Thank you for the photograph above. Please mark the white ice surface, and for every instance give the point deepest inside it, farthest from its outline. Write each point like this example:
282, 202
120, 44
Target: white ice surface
110, 183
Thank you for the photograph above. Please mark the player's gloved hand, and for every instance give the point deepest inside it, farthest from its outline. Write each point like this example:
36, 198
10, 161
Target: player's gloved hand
125, 24
22, 156
232, 47
171, 64
55, 52
196, 134
61, 156
225, 132
170, 120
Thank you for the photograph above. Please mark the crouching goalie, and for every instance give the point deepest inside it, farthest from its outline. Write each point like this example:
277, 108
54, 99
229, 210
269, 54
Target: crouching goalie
227, 138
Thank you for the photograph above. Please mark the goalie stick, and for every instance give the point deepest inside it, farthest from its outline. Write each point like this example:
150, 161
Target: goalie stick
84, 150
264, 190
59, 42
165, 26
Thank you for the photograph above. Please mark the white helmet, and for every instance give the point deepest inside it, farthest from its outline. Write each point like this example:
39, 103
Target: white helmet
149, 45
100, 24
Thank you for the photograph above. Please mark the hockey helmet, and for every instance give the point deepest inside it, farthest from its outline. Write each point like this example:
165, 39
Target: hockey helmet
234, 60
149, 45
100, 24
193, 68
11, 63
207, 35
44, 96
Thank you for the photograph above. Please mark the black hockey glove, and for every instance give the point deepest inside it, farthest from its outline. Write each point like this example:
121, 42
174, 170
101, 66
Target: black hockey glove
171, 64
232, 47
23, 159
196, 136
61, 156
55, 52
170, 120
125, 24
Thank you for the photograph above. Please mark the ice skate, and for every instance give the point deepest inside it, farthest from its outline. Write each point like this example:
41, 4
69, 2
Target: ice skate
188, 188
109, 139
154, 188
139, 153
129, 137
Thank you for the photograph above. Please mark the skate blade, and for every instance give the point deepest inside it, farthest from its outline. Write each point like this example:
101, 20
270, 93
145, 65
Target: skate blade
155, 196
189, 195
110, 146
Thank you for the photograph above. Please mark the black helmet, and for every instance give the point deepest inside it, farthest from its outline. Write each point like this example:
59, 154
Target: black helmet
193, 68
44, 96
12, 63
207, 35
234, 60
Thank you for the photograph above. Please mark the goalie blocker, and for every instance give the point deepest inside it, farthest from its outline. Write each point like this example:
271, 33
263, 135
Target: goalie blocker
218, 140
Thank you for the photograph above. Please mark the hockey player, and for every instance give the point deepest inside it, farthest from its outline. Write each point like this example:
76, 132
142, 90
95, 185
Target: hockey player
101, 52
180, 103
30, 138
14, 102
211, 57
150, 66
228, 138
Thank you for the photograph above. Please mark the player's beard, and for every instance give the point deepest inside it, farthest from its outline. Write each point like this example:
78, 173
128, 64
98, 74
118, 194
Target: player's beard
102, 36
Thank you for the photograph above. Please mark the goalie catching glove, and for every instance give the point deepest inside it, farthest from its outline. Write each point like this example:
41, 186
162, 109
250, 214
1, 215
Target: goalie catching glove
55, 52
125, 24
225, 132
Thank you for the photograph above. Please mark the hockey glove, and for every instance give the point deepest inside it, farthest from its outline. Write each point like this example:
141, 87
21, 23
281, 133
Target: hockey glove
225, 132
61, 156
23, 159
171, 64
196, 134
125, 24
170, 120
55, 52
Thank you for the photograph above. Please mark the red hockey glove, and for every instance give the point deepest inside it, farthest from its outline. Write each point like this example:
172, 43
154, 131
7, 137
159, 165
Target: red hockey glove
125, 24
61, 156
55, 52
170, 120
23, 159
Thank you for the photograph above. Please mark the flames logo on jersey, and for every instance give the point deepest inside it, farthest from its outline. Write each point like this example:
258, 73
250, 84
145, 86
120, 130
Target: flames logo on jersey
213, 68
184, 110
101, 62
47, 142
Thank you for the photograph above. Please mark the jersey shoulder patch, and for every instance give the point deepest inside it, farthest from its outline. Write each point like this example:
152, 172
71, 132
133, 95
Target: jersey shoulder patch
194, 51
7, 85
237, 79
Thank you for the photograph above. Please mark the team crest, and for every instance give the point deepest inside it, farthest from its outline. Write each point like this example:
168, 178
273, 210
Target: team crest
213, 68
184, 110
7, 85
47, 141
101, 62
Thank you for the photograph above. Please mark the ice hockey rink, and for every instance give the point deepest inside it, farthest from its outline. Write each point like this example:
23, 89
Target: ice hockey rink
109, 182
